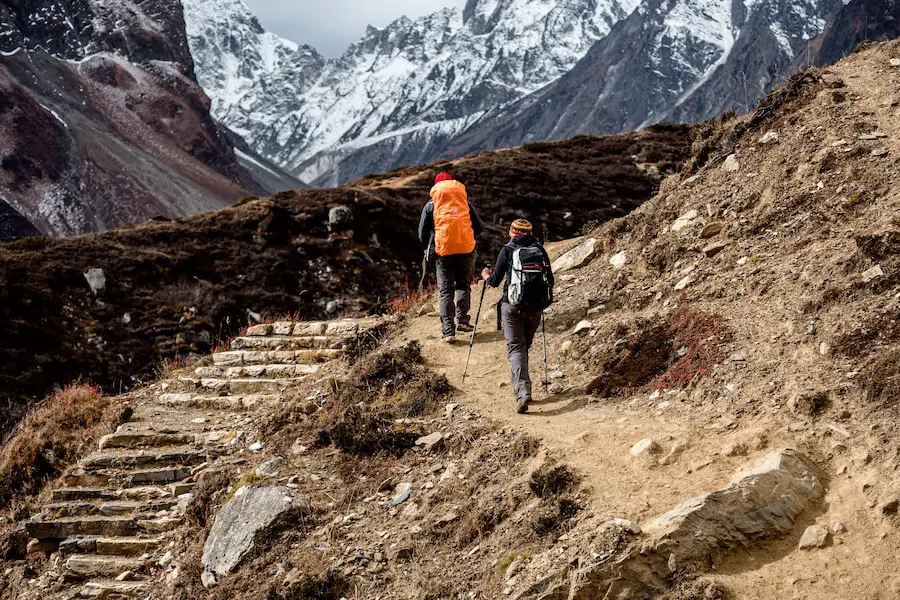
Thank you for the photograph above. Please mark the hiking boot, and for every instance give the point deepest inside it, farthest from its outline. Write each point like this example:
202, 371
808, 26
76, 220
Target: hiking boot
448, 339
522, 405
465, 327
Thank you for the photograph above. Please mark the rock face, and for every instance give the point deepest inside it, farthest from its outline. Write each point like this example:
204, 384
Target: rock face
397, 95
102, 121
762, 502
250, 514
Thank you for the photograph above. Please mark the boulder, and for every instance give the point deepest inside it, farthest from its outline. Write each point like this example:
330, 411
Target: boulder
645, 448
339, 215
249, 516
762, 503
771, 137
577, 257
430, 442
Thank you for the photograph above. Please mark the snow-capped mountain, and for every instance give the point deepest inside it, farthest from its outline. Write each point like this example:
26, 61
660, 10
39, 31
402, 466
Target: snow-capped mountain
671, 60
102, 123
396, 96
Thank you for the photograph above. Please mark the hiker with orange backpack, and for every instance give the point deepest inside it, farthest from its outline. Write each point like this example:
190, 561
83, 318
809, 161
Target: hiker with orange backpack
451, 224
525, 266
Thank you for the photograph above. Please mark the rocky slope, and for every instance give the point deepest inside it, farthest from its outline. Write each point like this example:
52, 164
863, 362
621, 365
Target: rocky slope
502, 74
173, 288
396, 96
103, 123
720, 421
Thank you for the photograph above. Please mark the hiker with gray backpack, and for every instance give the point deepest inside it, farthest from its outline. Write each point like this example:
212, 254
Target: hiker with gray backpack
528, 291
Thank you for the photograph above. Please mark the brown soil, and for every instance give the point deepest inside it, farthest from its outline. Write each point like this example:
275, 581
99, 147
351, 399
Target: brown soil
176, 288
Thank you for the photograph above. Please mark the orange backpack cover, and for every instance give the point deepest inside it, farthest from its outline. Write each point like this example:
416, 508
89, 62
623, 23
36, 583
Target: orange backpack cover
453, 233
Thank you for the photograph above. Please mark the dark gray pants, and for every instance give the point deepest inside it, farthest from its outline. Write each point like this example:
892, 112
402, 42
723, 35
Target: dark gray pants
519, 329
454, 278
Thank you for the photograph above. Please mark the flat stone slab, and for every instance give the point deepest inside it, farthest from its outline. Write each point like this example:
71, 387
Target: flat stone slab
144, 458
113, 589
143, 439
246, 385
577, 257
240, 524
89, 566
253, 371
71, 527
236, 358
238, 402
70, 494
282, 343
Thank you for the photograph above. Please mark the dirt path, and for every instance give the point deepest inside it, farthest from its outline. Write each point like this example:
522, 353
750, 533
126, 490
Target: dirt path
594, 437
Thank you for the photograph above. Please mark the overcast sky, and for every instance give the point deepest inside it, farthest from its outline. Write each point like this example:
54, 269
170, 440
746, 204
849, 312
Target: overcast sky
330, 25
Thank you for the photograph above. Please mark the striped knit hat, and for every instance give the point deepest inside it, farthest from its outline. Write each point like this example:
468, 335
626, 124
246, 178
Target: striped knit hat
520, 227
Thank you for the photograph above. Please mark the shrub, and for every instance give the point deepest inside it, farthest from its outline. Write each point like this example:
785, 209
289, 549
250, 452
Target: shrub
552, 518
546, 483
330, 586
49, 438
363, 433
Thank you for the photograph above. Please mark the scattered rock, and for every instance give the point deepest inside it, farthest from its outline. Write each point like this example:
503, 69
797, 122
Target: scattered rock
873, 273
894, 62
684, 220
96, 280
448, 410
714, 248
619, 260
645, 448
731, 164
674, 453
250, 515
256, 447
270, 468
711, 230
577, 257
630, 527
582, 326
512, 569
431, 441
166, 560
683, 283
333, 307
880, 152
771, 137
338, 216
126, 576
838, 528
565, 348
832, 80
815, 536
824, 349
738, 357
402, 493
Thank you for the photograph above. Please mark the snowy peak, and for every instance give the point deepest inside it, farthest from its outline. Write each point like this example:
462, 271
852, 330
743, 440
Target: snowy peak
418, 82
236, 51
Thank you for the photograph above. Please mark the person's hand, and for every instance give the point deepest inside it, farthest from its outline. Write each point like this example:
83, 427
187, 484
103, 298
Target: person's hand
485, 275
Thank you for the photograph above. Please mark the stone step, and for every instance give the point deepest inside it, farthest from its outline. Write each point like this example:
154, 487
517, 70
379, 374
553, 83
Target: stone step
253, 371
286, 343
219, 402
90, 566
114, 590
273, 357
114, 508
341, 329
143, 439
183, 456
60, 529
71, 494
117, 546
88, 479
243, 386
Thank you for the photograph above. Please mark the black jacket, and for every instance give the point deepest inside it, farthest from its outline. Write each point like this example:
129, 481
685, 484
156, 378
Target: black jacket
504, 262
426, 224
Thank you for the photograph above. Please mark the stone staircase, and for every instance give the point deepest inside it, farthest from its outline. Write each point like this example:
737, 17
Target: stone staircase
109, 525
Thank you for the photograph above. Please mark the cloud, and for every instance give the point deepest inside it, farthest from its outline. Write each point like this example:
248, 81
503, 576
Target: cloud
331, 25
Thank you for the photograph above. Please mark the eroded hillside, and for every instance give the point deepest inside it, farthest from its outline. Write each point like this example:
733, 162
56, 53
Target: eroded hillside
724, 368
173, 288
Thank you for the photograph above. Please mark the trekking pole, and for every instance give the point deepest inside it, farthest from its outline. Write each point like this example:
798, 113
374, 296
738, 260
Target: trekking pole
546, 370
425, 263
475, 328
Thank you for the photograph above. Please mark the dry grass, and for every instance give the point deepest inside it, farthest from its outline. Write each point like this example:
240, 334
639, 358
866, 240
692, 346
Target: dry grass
50, 437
